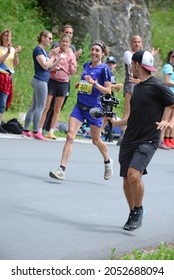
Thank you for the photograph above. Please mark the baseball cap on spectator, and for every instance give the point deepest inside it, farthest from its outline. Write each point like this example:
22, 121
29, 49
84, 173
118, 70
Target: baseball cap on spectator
111, 59
145, 59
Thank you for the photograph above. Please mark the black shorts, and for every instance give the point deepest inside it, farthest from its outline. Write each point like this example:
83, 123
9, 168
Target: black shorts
57, 89
136, 155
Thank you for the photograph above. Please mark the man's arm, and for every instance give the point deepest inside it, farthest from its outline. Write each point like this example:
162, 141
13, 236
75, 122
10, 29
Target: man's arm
164, 123
115, 122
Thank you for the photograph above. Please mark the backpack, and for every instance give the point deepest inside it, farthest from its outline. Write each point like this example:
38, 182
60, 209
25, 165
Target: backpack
84, 131
62, 127
13, 126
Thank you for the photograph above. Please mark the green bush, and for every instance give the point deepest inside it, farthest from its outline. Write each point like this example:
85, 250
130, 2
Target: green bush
25, 21
162, 28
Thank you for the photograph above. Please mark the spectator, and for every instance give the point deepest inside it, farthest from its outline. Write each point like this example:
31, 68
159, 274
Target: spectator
130, 81
167, 135
42, 66
8, 61
59, 82
67, 30
111, 61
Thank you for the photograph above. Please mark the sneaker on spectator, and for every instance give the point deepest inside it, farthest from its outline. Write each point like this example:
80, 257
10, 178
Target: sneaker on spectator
38, 136
168, 143
58, 174
163, 146
108, 170
171, 140
50, 135
27, 134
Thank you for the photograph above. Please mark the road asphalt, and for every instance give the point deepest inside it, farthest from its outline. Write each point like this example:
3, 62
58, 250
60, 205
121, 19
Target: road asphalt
82, 217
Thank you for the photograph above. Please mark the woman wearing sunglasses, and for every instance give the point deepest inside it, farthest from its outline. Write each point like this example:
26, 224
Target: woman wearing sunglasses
42, 66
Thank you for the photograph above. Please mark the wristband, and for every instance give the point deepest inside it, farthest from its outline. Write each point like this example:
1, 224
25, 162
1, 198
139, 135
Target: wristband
95, 84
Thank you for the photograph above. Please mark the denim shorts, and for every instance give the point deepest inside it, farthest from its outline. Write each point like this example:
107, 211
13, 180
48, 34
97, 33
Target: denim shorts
136, 155
3, 101
82, 115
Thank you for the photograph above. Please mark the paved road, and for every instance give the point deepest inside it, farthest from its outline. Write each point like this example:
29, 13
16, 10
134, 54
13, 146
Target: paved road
82, 217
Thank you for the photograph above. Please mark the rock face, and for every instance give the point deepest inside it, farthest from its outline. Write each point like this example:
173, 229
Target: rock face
112, 21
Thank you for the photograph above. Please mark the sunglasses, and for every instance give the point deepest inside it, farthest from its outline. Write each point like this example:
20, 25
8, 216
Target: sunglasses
50, 38
172, 55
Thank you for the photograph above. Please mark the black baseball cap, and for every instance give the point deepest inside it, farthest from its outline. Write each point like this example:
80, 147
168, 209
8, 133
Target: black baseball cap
145, 58
111, 59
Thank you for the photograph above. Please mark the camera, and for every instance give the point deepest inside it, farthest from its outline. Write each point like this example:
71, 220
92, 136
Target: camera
109, 101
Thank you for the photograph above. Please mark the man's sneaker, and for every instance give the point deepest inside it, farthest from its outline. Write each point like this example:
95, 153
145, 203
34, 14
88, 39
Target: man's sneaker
27, 134
108, 170
127, 224
58, 174
137, 219
134, 220
38, 136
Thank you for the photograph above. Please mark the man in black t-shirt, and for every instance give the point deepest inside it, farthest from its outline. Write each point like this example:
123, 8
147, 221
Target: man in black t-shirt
142, 135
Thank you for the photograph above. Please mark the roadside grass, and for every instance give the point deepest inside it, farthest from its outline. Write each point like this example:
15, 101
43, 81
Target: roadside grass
164, 251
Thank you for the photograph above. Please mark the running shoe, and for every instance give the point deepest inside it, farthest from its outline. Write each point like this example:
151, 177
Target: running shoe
27, 134
50, 135
127, 224
163, 146
172, 141
135, 220
58, 174
168, 143
108, 170
38, 136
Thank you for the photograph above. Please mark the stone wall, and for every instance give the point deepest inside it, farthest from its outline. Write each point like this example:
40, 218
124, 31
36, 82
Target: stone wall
113, 21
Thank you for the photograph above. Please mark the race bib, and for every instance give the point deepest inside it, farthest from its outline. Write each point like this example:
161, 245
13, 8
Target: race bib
85, 87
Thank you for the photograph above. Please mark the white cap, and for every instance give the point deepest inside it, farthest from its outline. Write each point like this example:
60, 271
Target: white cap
145, 58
